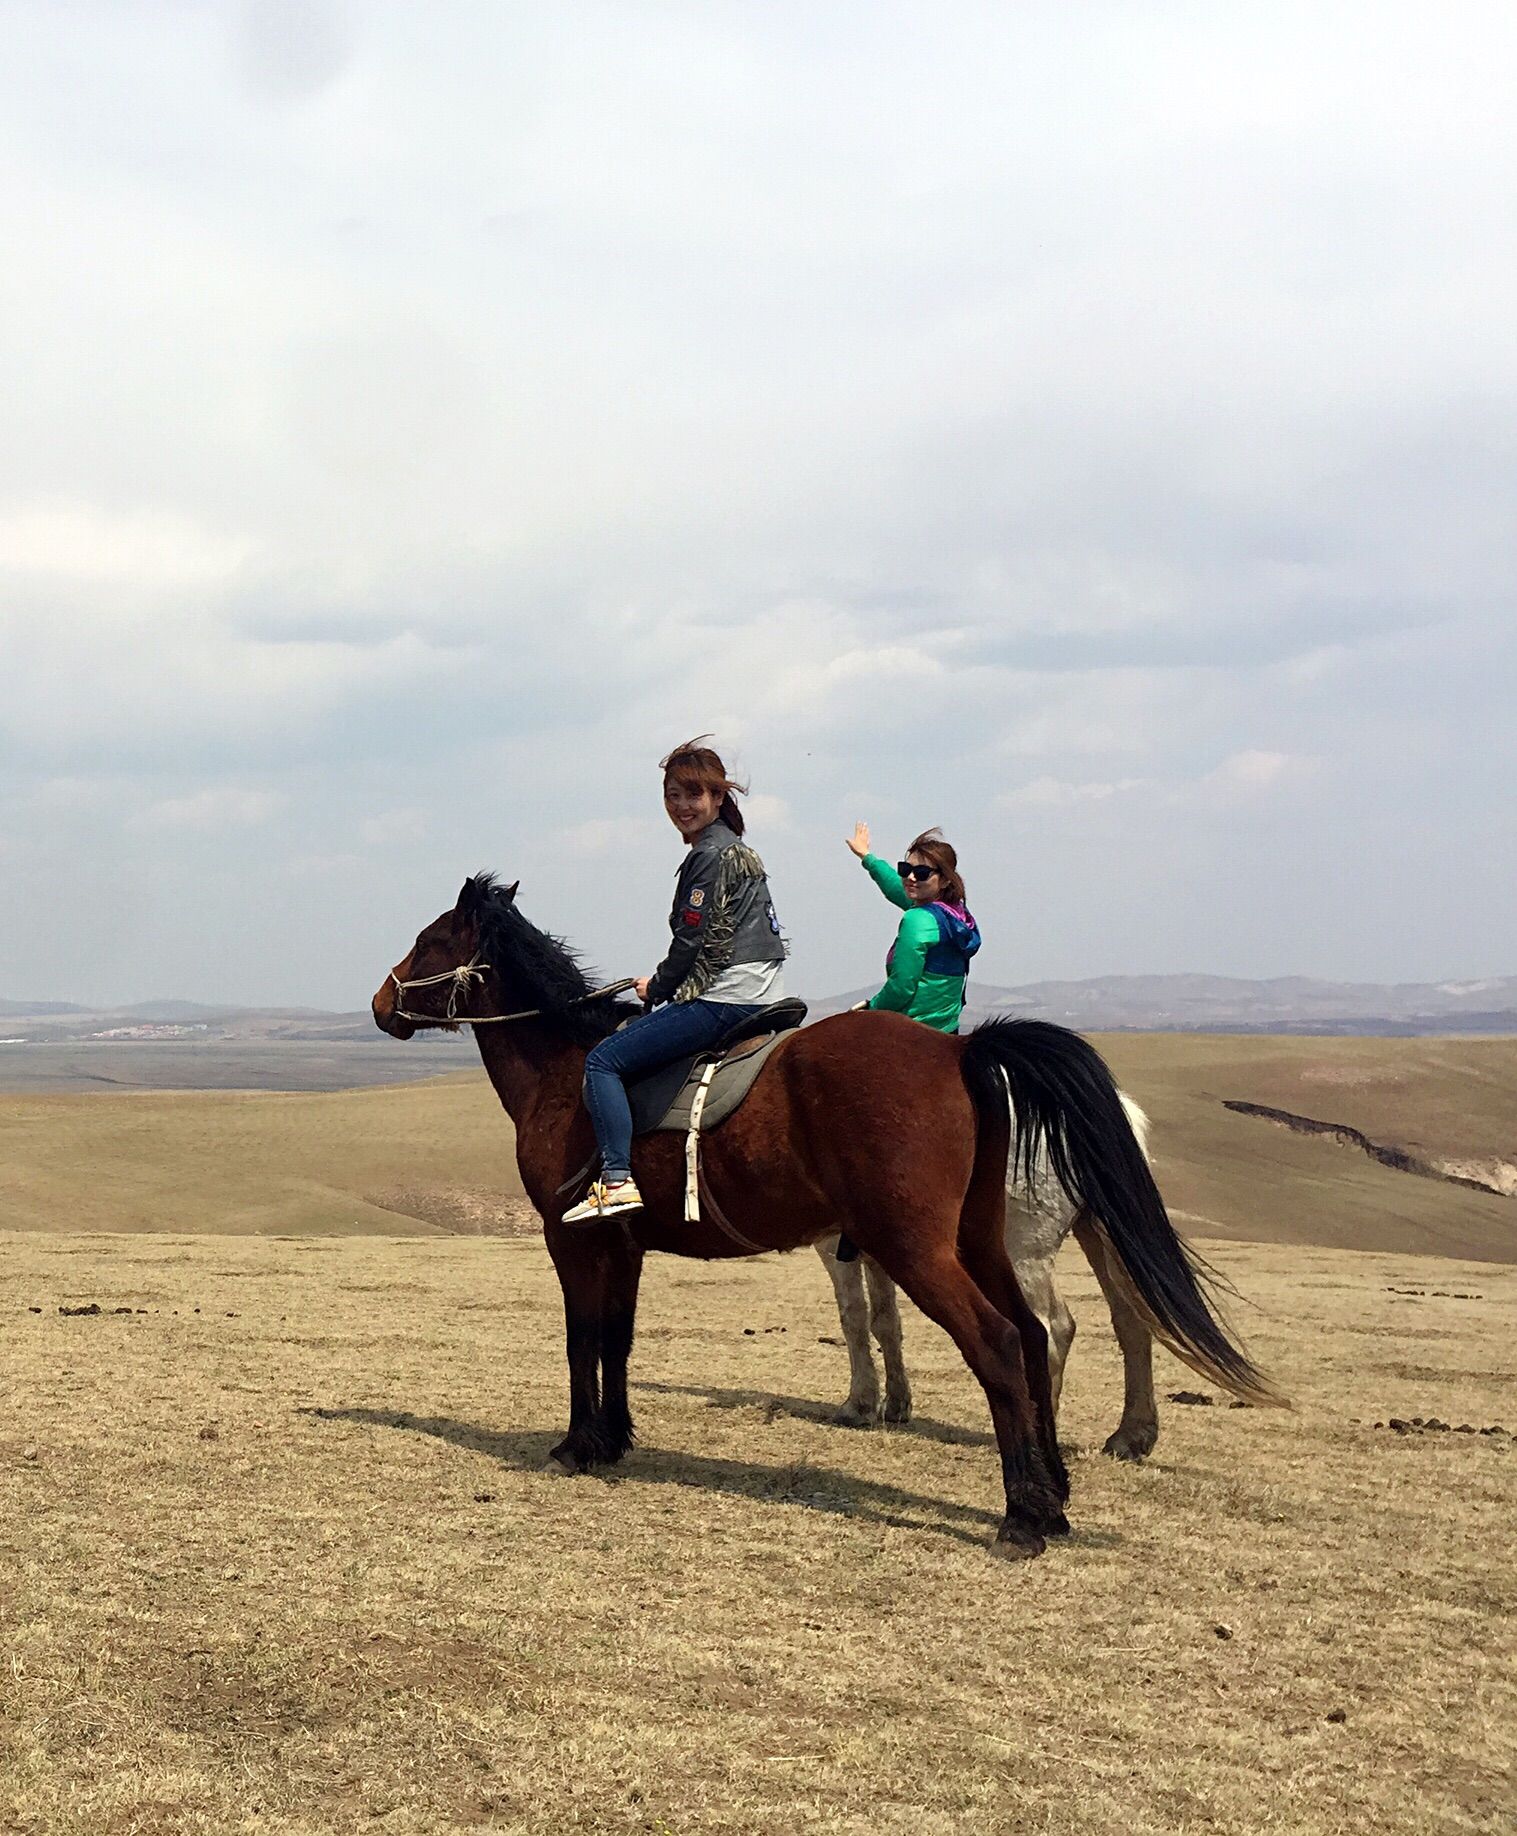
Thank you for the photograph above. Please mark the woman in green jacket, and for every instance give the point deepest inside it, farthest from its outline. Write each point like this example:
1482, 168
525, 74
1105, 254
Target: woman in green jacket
928, 965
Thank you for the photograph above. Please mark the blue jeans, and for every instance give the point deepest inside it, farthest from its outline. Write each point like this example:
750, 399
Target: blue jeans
643, 1045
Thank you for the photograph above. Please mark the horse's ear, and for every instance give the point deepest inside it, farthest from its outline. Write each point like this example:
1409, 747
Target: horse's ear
510, 892
468, 899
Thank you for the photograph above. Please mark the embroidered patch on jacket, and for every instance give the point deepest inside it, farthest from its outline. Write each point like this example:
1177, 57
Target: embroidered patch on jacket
691, 918
698, 897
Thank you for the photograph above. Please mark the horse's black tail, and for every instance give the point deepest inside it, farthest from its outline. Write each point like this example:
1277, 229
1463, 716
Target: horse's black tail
1064, 1102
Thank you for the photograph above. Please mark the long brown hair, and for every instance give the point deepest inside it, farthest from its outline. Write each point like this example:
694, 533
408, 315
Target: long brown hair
939, 853
695, 763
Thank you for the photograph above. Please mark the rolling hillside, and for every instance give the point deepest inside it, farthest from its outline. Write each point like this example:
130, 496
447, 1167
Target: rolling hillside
437, 1156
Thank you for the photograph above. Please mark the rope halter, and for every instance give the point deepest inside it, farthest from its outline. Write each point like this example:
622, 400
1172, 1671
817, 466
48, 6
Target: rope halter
462, 980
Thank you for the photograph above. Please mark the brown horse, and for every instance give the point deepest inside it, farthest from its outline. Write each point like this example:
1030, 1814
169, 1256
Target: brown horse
895, 1132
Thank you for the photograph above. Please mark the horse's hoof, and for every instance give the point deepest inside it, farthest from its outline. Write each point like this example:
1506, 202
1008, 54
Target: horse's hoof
853, 1415
561, 1465
1017, 1545
1127, 1444
897, 1408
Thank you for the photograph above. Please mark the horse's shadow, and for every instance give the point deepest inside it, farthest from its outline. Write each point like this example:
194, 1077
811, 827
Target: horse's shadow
808, 1409
813, 1488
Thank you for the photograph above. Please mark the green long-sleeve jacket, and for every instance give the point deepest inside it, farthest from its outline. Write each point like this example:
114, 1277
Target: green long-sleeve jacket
919, 983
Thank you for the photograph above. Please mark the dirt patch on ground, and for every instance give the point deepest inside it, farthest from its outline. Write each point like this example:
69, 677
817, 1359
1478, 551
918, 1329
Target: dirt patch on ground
1350, 1077
461, 1211
1495, 1175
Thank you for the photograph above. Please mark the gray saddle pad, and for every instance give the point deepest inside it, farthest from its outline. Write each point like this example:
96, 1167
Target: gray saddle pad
663, 1098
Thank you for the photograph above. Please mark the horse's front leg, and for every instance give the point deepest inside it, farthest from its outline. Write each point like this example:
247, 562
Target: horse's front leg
598, 1269
580, 1446
624, 1267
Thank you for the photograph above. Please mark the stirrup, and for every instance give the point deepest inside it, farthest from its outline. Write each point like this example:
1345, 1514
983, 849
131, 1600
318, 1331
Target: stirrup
603, 1201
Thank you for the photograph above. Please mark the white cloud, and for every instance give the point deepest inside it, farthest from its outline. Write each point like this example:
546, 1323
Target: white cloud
393, 828
146, 677
1056, 793
890, 662
85, 542
1241, 776
213, 810
603, 837
767, 813
1029, 414
1255, 770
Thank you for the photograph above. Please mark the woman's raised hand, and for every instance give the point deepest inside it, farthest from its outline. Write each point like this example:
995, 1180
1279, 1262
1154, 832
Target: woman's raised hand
859, 840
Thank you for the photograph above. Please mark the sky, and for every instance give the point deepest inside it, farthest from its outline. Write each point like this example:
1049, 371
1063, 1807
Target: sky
1088, 427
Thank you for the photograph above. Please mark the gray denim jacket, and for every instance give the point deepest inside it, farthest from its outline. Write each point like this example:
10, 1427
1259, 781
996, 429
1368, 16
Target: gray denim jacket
722, 914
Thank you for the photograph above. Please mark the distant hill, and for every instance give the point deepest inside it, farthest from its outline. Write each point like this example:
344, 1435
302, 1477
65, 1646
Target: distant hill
57, 1021
1270, 1140
1230, 1004
1108, 1003
192, 1045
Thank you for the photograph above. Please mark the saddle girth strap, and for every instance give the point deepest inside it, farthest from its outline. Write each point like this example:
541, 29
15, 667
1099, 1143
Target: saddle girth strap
697, 1186
693, 1145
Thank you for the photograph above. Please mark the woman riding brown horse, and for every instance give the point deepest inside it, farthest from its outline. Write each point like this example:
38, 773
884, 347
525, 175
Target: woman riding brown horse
892, 1131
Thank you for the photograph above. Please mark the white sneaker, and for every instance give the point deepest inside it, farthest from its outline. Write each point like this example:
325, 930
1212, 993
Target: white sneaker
603, 1201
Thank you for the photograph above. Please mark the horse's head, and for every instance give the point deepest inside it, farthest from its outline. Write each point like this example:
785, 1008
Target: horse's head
442, 974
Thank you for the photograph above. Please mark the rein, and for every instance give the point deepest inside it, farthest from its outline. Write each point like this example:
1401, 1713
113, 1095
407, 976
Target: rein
463, 978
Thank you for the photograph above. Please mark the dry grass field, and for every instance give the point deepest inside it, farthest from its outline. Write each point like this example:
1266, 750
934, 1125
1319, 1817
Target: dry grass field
386, 1160
437, 1155
1447, 1100
279, 1555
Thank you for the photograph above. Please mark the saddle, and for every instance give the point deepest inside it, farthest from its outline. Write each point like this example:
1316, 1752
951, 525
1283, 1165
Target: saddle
666, 1098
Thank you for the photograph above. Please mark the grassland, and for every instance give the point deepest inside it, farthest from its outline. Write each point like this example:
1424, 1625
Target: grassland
438, 1155
1235, 1176
278, 1557
392, 1159
237, 1063
277, 1554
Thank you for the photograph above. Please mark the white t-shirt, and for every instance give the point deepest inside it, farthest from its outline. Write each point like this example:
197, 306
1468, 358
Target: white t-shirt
748, 985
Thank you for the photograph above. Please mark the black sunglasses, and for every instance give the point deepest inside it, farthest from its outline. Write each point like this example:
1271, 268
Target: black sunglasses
909, 870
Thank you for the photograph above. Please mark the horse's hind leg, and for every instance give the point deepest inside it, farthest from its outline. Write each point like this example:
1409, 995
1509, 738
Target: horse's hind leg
988, 1263
862, 1409
1035, 1279
992, 1348
1032, 1242
1138, 1430
983, 1229
885, 1323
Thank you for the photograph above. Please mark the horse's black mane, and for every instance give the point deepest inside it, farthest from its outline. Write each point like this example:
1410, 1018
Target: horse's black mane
535, 969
